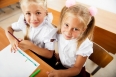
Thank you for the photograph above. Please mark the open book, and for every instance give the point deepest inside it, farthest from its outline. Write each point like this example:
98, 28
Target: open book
17, 64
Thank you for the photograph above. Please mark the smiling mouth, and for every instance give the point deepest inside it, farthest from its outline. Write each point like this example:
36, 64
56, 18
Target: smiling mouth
68, 36
35, 23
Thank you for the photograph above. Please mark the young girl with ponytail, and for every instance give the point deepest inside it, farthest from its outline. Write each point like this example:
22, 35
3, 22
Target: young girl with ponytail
74, 40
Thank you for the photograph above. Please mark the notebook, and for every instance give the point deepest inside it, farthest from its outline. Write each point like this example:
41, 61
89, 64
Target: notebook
17, 64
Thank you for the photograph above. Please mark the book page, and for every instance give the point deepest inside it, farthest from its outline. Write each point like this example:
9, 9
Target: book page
17, 64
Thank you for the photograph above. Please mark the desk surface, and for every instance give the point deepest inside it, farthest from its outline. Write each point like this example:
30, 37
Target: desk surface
5, 3
43, 66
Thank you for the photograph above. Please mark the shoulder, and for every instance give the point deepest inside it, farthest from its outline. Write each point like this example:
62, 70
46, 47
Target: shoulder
47, 24
60, 37
49, 28
86, 43
21, 20
20, 24
50, 17
21, 17
49, 32
86, 48
48, 21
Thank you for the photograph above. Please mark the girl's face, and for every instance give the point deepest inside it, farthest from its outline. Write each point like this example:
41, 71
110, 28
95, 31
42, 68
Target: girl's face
71, 27
34, 14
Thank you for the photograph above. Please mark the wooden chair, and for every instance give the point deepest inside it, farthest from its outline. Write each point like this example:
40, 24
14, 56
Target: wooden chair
100, 56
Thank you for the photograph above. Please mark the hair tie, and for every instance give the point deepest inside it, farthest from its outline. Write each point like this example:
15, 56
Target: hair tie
70, 3
93, 11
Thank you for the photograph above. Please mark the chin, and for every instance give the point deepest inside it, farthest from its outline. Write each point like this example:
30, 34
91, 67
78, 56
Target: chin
35, 25
67, 38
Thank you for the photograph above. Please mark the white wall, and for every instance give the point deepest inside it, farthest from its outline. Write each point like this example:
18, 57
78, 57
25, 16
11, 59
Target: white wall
108, 5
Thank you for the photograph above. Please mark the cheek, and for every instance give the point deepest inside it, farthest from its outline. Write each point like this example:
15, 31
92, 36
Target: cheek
41, 19
76, 34
62, 29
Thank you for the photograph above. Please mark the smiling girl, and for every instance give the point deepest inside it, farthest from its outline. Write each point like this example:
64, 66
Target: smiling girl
35, 23
74, 41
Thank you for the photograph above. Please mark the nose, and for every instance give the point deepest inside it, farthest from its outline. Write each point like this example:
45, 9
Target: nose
69, 31
33, 17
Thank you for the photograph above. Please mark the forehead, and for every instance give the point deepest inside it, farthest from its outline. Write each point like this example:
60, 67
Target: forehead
32, 6
72, 20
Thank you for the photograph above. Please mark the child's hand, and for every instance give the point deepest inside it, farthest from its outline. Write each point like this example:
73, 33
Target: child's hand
14, 45
54, 73
25, 44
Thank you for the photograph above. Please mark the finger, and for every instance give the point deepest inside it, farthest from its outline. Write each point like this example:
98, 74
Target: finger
12, 49
20, 39
51, 75
47, 72
15, 48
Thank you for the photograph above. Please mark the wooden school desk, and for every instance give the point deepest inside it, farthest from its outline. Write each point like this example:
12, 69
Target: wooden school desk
43, 66
105, 28
5, 3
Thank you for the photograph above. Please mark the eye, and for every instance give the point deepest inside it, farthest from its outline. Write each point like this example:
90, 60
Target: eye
28, 13
38, 13
66, 25
75, 29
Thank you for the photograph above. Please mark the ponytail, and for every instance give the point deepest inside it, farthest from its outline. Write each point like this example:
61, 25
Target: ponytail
90, 28
26, 37
63, 11
88, 32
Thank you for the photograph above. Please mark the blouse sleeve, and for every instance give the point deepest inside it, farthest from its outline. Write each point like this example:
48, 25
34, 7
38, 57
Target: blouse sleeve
50, 37
85, 49
50, 40
19, 25
50, 17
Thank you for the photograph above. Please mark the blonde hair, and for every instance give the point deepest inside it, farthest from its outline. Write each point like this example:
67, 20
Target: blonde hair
83, 14
42, 3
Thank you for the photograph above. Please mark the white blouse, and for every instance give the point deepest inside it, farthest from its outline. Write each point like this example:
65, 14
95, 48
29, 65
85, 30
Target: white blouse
40, 35
68, 50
